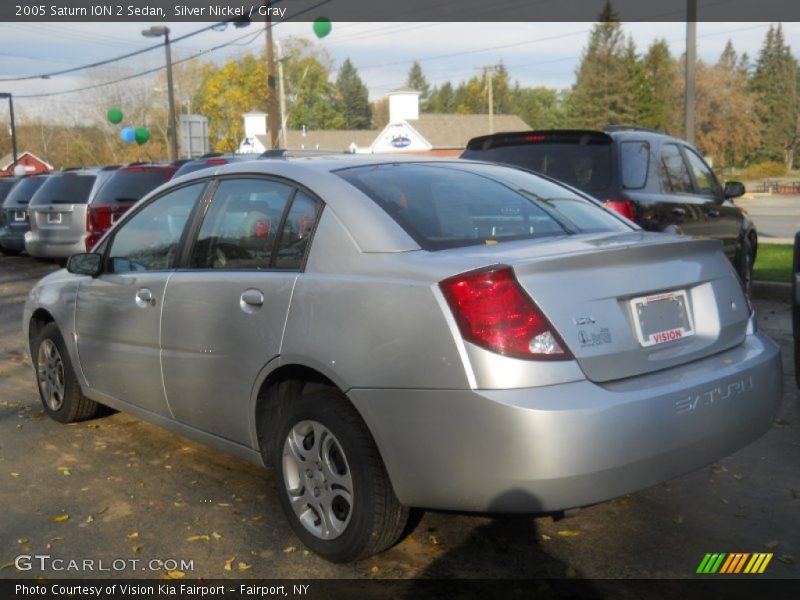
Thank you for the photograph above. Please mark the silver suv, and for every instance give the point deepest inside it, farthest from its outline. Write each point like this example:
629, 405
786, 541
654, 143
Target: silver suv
58, 212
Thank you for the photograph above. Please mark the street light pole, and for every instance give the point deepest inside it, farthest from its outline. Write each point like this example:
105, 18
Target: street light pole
172, 128
272, 104
13, 124
691, 64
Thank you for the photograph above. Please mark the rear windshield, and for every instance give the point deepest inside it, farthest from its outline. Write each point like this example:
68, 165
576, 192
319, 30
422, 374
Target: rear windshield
5, 187
582, 162
64, 189
24, 191
446, 205
130, 186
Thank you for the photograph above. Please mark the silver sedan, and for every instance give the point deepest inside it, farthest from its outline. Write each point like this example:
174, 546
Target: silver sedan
401, 333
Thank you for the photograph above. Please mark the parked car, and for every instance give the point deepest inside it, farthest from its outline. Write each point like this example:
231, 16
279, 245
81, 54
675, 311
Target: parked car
6, 185
124, 188
213, 159
14, 221
59, 211
659, 181
412, 333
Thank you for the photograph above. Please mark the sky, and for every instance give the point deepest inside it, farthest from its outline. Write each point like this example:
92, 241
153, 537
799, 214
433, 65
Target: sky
536, 54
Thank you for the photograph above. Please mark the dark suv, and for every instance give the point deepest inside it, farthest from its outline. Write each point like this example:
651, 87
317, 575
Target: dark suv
14, 221
660, 182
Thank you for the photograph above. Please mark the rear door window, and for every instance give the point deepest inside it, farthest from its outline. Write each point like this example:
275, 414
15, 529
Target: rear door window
5, 188
635, 159
296, 232
675, 178
68, 188
241, 225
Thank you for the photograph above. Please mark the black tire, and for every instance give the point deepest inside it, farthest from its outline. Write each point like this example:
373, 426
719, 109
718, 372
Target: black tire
54, 372
746, 260
375, 520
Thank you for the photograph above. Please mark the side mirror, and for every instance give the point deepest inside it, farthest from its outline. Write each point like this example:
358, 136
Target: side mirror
734, 189
89, 263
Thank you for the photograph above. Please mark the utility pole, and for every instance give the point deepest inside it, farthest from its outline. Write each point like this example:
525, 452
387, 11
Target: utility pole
272, 105
172, 128
13, 125
691, 63
490, 77
488, 73
282, 93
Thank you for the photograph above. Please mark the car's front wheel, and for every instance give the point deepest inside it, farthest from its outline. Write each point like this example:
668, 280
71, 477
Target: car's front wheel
333, 485
59, 390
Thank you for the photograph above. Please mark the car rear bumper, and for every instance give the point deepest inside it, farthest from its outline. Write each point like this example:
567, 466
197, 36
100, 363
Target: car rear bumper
574, 444
44, 248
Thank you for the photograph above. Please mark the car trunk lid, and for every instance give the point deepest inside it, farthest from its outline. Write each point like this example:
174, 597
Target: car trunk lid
585, 285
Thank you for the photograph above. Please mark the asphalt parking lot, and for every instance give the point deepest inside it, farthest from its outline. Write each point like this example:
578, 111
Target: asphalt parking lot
116, 488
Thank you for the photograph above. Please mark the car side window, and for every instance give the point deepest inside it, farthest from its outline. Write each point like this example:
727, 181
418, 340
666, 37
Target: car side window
674, 173
635, 157
241, 225
149, 240
296, 232
707, 183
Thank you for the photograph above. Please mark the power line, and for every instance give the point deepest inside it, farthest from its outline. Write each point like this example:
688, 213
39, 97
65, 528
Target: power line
252, 35
109, 61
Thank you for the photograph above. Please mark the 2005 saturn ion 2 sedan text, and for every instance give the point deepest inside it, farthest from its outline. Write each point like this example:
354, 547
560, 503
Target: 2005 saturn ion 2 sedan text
408, 333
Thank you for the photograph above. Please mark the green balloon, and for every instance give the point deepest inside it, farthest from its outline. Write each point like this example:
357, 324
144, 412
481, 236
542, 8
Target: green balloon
142, 135
114, 115
322, 27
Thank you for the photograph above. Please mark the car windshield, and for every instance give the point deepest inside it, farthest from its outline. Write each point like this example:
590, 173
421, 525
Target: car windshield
584, 163
22, 193
68, 188
130, 185
446, 205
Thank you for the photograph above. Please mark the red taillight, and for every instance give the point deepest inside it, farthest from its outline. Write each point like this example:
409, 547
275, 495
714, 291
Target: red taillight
216, 161
623, 207
98, 221
535, 138
262, 229
494, 312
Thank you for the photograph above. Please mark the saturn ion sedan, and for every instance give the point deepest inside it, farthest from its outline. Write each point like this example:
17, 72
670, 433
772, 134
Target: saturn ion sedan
404, 333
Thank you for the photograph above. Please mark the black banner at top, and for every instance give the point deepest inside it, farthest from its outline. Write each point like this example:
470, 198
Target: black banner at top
396, 10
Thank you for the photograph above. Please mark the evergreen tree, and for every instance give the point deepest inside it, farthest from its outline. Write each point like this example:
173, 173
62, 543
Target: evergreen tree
540, 107
603, 92
659, 94
352, 98
774, 81
442, 99
416, 81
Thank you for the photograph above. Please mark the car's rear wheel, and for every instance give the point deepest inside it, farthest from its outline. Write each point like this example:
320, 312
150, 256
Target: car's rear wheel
333, 485
59, 390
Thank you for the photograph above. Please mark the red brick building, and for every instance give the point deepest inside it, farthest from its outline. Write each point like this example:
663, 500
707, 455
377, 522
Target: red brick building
32, 163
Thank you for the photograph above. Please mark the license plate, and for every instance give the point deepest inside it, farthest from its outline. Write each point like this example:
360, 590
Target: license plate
19, 215
662, 318
54, 218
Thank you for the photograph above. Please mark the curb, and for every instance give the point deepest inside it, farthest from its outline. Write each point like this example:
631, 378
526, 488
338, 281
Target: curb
772, 290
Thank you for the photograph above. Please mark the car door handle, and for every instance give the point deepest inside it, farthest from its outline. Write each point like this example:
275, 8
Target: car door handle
253, 297
712, 213
144, 298
679, 211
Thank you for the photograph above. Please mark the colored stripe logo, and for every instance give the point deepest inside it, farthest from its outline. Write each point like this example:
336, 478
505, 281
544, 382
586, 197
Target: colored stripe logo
734, 563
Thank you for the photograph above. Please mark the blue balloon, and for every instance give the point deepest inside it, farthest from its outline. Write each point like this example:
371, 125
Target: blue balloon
127, 135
